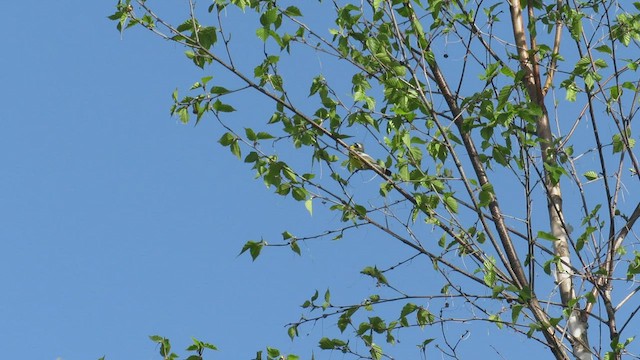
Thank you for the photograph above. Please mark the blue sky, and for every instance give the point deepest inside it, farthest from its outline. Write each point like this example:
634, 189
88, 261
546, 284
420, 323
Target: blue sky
119, 222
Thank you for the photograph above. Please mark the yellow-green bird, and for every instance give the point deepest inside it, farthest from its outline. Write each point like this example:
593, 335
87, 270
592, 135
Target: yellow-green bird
357, 164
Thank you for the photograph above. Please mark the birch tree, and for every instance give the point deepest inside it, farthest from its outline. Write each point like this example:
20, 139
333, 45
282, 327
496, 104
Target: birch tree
506, 127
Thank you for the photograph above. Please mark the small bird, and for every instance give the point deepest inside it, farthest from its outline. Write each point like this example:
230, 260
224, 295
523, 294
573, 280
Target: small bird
357, 164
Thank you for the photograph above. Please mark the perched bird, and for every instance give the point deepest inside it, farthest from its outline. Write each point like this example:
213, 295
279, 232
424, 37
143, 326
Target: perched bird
357, 164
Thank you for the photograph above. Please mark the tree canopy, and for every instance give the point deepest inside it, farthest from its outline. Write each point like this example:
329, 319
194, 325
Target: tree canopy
499, 157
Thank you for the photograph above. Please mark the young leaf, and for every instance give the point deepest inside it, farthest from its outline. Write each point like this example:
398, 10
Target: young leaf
590, 175
546, 236
254, 248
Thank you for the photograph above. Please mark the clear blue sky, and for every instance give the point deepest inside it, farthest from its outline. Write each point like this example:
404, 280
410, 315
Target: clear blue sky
118, 222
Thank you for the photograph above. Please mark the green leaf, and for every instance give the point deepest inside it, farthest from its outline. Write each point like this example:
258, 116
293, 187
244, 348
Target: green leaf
269, 17
219, 90
235, 149
317, 84
491, 72
618, 143
187, 25
486, 195
600, 63
292, 11
309, 206
200, 346
376, 352
264, 136
496, 318
555, 172
207, 36
572, 91
604, 49
183, 114
299, 193
376, 274
343, 321
546, 236
218, 106
614, 93
273, 353
590, 175
634, 266
408, 309
498, 154
262, 33
292, 331
489, 272
515, 312
251, 135
295, 248
254, 247
424, 317
451, 203
575, 24
329, 344
424, 344
252, 157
